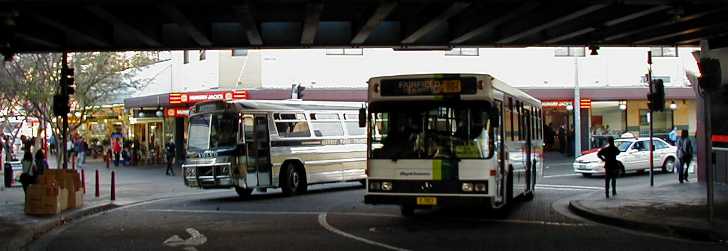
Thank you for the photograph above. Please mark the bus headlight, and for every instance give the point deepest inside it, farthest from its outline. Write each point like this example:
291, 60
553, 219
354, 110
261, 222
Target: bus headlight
480, 187
386, 186
467, 187
375, 185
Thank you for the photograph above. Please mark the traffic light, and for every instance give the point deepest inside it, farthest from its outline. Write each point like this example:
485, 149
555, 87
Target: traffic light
61, 101
67, 81
656, 99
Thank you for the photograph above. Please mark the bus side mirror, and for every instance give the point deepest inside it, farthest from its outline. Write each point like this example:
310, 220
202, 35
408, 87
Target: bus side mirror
362, 117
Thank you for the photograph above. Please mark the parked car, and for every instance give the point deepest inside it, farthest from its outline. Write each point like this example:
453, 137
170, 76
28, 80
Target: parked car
635, 156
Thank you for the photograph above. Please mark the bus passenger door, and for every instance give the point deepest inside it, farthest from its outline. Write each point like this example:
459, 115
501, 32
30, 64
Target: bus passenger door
262, 151
257, 150
251, 178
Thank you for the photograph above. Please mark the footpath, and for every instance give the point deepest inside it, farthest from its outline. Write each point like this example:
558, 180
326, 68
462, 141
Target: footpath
677, 210
134, 184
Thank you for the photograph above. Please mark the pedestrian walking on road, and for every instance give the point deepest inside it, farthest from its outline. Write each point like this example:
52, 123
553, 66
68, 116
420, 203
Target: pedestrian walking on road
684, 155
609, 154
170, 149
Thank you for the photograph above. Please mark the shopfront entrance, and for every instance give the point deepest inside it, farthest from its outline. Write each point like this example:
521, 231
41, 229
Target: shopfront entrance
558, 120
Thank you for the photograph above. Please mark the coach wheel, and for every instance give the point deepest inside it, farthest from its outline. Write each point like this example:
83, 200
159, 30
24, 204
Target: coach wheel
295, 180
669, 165
243, 192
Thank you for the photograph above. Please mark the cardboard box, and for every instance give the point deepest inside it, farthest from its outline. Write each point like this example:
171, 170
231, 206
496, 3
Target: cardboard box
75, 199
45, 200
63, 199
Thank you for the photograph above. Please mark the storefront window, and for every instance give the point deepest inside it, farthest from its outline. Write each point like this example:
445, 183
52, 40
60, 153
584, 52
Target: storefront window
606, 120
662, 125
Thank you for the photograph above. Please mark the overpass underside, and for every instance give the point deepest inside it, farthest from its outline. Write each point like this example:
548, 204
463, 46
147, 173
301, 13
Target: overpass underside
111, 25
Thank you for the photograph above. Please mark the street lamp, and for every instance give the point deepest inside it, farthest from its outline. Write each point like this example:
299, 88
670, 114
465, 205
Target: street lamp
673, 106
569, 107
622, 106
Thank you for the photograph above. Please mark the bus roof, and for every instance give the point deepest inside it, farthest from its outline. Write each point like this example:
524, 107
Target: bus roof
294, 105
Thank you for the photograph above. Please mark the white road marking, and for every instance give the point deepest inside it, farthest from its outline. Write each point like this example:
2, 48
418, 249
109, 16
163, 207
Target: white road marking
266, 212
196, 239
562, 175
529, 222
547, 186
322, 221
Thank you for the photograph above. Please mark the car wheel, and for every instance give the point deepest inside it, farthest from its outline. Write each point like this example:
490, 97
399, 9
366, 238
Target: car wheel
669, 165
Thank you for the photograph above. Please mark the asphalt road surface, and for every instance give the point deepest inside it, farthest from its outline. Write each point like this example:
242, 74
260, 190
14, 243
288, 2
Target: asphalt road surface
333, 217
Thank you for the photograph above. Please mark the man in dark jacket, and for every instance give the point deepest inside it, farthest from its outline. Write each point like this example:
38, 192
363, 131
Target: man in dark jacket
170, 150
609, 154
684, 155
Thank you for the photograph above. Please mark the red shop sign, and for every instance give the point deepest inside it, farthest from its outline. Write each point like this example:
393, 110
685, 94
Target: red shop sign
195, 97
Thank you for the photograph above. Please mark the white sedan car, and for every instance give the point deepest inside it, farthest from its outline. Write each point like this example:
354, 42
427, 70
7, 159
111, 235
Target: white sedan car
635, 156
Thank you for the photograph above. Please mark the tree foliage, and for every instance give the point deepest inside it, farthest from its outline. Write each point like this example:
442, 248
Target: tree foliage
29, 81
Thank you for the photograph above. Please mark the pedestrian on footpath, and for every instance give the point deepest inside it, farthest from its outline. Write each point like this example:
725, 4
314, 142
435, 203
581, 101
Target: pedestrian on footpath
80, 147
684, 155
28, 175
170, 149
116, 148
40, 162
609, 154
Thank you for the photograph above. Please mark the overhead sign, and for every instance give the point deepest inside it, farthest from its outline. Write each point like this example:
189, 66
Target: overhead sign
585, 103
195, 97
177, 112
556, 103
426, 87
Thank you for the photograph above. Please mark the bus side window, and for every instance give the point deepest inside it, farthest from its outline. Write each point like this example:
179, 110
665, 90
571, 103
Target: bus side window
508, 117
516, 122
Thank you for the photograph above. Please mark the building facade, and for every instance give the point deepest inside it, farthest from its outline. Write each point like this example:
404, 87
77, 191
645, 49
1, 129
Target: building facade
612, 84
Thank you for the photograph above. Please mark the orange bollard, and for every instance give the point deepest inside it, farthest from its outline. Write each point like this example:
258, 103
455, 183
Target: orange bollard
83, 180
113, 185
98, 193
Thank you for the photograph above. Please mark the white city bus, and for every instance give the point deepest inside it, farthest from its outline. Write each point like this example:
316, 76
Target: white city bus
450, 139
250, 145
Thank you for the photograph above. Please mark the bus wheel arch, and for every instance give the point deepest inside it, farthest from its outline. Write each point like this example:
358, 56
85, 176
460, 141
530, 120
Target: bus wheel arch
293, 177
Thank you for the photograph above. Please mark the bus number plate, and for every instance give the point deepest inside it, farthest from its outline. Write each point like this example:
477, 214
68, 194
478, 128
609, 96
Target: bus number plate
427, 201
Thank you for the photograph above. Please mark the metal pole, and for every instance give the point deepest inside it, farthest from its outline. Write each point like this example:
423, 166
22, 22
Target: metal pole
652, 119
710, 167
64, 117
577, 110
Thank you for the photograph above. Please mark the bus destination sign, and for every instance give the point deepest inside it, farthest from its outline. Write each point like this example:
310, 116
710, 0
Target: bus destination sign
427, 86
